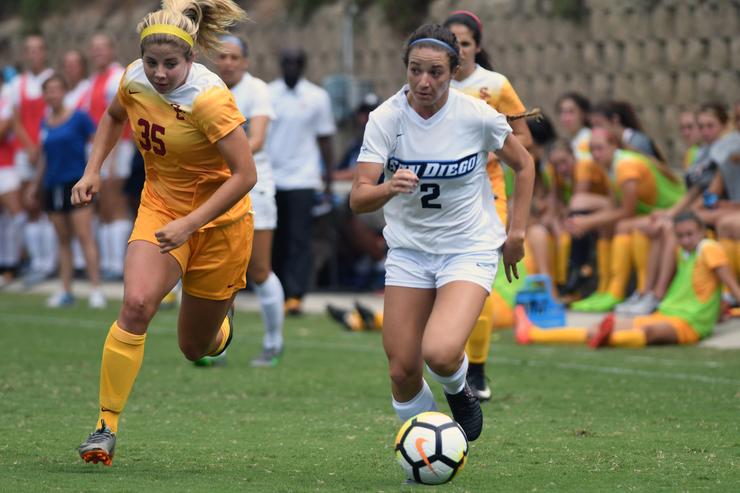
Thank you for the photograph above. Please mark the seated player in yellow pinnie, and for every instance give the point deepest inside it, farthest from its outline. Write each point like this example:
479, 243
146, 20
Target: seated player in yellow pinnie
687, 314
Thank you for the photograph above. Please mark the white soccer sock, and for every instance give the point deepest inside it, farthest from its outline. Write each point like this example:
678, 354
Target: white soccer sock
272, 299
454, 383
104, 246
50, 246
422, 402
120, 230
32, 234
5, 239
14, 240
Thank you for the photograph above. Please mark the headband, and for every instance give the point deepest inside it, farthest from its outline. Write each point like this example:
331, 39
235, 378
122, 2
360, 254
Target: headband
471, 15
167, 29
435, 42
230, 38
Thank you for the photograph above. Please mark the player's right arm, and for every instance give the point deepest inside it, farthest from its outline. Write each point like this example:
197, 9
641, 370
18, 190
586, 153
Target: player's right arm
109, 130
368, 195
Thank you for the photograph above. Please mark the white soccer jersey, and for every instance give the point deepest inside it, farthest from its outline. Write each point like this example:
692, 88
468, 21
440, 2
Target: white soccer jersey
253, 99
452, 210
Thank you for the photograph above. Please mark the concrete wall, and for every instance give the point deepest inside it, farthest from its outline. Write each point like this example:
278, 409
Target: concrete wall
662, 55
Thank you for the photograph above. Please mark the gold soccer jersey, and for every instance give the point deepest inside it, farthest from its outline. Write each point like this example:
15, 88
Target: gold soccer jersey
176, 133
496, 90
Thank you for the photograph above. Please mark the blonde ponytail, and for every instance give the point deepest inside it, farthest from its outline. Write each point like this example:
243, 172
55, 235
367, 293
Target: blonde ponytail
203, 20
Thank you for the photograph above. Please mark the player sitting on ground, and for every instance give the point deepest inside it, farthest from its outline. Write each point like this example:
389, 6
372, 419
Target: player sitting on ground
688, 313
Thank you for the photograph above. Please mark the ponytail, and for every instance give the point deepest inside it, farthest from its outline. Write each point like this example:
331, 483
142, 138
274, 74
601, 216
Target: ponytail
197, 22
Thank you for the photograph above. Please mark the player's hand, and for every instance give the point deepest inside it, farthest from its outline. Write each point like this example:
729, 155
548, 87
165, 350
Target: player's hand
513, 252
403, 181
34, 153
85, 190
173, 234
575, 226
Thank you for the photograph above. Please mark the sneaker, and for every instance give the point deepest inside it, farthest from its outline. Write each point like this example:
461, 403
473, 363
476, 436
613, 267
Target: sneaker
478, 383
97, 299
208, 361
466, 411
99, 446
268, 358
646, 305
601, 338
596, 303
294, 306
60, 299
220, 358
368, 316
350, 320
625, 307
522, 325
33, 278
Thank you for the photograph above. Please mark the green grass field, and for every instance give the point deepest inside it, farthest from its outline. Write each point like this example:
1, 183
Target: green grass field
562, 418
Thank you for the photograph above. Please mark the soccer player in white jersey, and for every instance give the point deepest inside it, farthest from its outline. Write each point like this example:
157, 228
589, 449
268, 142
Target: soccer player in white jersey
423, 161
253, 100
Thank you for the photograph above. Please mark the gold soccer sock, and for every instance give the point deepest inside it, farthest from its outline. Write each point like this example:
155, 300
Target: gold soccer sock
732, 249
633, 338
503, 314
564, 335
640, 254
225, 330
480, 339
603, 263
737, 260
621, 255
378, 321
122, 356
563, 257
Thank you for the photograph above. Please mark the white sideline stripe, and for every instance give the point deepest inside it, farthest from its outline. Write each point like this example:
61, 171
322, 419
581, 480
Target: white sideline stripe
496, 359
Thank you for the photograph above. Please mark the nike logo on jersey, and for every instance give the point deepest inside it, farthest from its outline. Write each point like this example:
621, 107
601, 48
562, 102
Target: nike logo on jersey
133, 92
437, 169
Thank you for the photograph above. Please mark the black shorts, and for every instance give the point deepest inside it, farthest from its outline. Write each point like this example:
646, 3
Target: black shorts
58, 198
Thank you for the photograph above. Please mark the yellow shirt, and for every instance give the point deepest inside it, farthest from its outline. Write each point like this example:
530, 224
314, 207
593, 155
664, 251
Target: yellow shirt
496, 90
177, 134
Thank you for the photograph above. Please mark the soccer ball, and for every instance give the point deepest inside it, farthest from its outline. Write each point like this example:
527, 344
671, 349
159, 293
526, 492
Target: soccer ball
431, 448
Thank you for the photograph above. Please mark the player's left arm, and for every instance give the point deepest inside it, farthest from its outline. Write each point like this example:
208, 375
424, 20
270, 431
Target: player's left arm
517, 158
234, 148
728, 279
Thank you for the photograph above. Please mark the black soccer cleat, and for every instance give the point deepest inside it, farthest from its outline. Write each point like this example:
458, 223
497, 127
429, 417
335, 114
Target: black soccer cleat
466, 410
367, 315
478, 382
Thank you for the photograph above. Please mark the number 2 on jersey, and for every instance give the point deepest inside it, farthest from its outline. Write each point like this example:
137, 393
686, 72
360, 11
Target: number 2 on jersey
149, 140
426, 200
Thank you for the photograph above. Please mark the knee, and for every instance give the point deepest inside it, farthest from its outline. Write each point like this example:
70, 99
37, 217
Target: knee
402, 373
137, 310
442, 360
259, 273
191, 350
623, 228
725, 227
